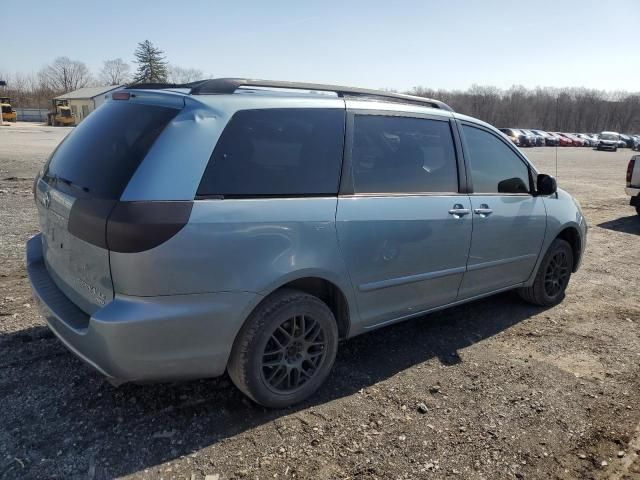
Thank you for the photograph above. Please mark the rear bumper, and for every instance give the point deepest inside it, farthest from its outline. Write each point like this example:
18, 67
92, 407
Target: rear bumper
144, 338
634, 193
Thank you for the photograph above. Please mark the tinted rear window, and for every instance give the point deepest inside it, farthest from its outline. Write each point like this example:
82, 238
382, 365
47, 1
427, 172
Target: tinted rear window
277, 152
102, 153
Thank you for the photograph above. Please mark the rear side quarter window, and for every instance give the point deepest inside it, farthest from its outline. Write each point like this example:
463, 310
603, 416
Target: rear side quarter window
277, 152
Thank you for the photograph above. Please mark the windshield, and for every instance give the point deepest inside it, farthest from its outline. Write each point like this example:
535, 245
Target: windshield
103, 152
608, 136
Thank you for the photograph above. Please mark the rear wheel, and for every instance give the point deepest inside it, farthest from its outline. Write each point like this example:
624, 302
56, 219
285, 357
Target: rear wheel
552, 277
285, 350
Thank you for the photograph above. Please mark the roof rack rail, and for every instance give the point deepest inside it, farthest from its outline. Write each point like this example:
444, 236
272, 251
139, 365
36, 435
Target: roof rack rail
161, 85
230, 85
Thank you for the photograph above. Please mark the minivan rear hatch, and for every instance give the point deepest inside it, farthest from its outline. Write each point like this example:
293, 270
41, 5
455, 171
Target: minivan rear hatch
79, 187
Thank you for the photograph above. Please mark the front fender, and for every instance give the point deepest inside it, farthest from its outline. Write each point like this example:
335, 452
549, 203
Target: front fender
563, 212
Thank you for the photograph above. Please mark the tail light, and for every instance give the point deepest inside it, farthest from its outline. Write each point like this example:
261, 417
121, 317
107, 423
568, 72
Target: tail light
127, 227
632, 164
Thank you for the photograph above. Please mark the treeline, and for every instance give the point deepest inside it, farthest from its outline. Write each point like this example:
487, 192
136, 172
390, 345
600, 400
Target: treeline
554, 109
63, 75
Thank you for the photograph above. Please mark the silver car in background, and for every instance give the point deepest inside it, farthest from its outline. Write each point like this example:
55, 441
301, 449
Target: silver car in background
247, 226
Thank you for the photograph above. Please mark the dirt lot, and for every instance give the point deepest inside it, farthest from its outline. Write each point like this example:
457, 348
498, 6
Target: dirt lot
511, 390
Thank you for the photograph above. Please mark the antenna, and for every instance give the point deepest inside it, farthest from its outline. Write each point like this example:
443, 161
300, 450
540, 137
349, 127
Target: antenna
557, 130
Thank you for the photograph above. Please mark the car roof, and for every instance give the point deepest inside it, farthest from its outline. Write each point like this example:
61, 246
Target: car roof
232, 94
222, 86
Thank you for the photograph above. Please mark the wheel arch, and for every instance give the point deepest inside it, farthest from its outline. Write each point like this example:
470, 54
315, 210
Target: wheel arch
327, 291
336, 297
572, 236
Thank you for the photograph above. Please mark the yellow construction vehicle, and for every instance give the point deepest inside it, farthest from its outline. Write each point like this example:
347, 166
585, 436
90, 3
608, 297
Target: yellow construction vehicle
61, 114
8, 113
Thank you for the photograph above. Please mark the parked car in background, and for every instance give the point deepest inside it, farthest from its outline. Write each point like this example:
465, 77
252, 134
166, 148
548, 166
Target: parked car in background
254, 255
514, 135
636, 143
577, 141
537, 138
562, 141
588, 142
633, 182
549, 139
608, 141
530, 138
520, 137
628, 141
573, 140
594, 139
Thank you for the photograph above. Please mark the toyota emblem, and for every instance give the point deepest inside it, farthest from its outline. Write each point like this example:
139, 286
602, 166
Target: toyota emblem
46, 199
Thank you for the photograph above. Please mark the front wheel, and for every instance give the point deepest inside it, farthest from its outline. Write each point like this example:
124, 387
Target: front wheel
285, 350
553, 276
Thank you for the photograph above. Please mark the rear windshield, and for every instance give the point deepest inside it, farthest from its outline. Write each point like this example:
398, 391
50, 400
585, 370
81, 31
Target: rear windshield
102, 153
277, 152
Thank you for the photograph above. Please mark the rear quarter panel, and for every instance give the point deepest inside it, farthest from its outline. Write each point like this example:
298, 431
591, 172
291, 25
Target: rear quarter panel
254, 245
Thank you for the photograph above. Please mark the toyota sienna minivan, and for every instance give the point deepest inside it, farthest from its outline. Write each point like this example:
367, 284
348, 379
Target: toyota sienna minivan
248, 226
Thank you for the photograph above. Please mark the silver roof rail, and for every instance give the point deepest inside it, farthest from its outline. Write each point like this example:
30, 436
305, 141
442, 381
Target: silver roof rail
230, 85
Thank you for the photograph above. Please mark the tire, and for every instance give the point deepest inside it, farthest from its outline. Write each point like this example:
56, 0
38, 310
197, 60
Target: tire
299, 334
552, 277
638, 209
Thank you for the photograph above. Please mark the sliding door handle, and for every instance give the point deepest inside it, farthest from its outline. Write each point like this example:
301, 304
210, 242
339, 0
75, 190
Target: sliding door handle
459, 211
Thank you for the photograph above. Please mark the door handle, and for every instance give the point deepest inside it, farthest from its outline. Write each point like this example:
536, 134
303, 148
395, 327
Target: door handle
483, 210
459, 211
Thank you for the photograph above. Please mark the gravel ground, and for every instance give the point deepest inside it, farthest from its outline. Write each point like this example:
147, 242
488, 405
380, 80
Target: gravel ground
490, 390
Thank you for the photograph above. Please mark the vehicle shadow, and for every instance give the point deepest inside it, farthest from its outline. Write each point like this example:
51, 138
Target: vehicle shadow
630, 224
63, 419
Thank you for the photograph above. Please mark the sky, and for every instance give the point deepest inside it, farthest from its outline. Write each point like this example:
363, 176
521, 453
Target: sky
375, 44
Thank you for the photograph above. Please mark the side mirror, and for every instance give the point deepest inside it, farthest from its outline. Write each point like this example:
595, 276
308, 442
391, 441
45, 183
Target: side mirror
546, 184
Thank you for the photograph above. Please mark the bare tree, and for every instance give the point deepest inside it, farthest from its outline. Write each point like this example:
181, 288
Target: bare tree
115, 72
184, 75
65, 75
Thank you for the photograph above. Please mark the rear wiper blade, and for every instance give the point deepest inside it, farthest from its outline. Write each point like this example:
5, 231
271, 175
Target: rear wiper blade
71, 183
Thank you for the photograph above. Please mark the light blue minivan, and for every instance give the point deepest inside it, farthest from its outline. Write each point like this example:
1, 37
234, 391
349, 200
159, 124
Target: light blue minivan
248, 225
